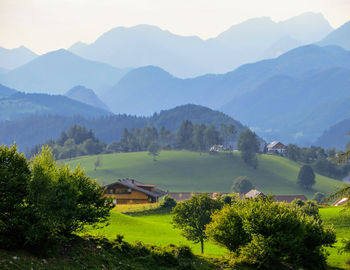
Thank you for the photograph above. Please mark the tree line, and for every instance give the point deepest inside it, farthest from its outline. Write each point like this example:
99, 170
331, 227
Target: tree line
319, 159
78, 140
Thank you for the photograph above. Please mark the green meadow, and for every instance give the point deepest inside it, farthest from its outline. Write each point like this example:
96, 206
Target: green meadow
157, 229
178, 171
340, 219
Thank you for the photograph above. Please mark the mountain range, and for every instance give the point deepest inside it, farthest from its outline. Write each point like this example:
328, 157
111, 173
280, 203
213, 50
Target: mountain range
189, 56
13, 58
338, 37
58, 71
336, 136
15, 105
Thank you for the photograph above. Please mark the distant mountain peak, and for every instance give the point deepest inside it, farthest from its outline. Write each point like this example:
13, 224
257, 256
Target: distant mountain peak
339, 36
77, 46
87, 96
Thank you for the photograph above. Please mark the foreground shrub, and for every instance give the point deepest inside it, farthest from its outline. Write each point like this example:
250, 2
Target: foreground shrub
49, 202
14, 180
270, 235
168, 202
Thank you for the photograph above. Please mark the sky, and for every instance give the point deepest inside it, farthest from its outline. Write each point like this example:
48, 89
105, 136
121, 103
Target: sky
46, 25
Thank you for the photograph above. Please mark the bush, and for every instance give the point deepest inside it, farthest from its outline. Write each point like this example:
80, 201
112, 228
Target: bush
168, 202
242, 185
319, 197
270, 235
52, 201
14, 180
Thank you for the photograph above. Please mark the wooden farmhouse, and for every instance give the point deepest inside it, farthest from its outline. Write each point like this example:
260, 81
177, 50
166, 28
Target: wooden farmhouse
276, 147
130, 191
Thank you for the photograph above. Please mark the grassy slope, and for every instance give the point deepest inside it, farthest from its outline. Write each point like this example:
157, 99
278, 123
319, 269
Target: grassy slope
151, 229
190, 171
341, 222
157, 229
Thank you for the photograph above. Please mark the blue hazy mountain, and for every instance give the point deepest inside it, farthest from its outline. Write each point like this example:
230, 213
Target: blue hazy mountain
295, 109
87, 96
339, 37
6, 92
14, 105
58, 71
13, 58
146, 90
3, 70
336, 136
189, 56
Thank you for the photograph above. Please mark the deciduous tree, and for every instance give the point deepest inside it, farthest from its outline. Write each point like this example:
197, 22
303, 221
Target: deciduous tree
193, 215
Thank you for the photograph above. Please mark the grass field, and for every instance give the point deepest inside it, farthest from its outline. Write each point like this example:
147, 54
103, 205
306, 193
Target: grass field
157, 229
341, 222
189, 171
151, 229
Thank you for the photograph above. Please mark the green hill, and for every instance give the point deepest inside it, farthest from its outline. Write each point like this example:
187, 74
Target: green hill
178, 171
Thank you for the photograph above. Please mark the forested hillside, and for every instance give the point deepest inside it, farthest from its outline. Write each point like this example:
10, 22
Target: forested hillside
33, 130
17, 105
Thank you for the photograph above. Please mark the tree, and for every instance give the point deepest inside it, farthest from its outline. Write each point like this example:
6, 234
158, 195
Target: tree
184, 135
228, 132
153, 150
306, 177
193, 215
198, 137
211, 136
62, 201
14, 180
318, 197
168, 202
248, 145
98, 162
242, 185
45, 203
270, 235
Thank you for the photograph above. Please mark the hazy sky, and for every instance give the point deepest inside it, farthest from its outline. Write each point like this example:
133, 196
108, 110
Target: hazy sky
45, 25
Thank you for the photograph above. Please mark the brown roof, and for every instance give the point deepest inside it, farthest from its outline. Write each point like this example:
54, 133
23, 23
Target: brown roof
135, 185
289, 198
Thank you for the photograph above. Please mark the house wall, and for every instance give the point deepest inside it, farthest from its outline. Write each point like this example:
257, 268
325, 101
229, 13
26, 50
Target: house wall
123, 195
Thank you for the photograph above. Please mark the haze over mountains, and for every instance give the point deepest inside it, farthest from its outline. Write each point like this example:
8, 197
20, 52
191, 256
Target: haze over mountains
282, 95
293, 97
13, 58
183, 56
87, 96
338, 37
15, 105
58, 71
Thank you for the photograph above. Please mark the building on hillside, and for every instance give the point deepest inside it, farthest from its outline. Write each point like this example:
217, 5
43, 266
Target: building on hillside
254, 193
340, 202
278, 198
276, 147
130, 191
